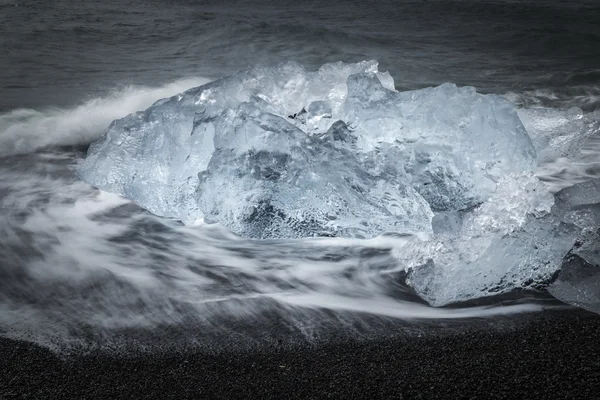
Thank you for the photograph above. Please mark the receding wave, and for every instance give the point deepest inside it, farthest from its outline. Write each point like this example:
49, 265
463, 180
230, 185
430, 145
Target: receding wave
26, 130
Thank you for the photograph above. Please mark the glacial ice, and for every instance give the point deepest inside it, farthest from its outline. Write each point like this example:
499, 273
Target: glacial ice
578, 281
578, 284
580, 205
519, 238
268, 178
513, 240
281, 152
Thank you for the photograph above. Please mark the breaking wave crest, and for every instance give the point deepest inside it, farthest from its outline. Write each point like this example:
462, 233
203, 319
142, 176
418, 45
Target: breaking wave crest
25, 130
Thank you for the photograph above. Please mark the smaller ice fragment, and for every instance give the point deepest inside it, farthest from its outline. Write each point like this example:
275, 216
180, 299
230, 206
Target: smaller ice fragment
578, 283
588, 245
578, 197
510, 241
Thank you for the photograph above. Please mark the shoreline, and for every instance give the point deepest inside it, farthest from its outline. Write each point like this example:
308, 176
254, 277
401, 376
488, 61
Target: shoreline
551, 354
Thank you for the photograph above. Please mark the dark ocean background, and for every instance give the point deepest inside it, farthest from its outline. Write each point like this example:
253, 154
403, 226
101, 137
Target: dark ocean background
59, 53
73, 260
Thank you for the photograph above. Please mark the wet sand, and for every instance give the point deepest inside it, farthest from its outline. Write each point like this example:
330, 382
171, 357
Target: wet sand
550, 355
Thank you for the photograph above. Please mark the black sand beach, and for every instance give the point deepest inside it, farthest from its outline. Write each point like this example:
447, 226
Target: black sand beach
551, 355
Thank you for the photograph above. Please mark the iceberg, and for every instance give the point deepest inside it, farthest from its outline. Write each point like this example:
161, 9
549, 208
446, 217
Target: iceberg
282, 152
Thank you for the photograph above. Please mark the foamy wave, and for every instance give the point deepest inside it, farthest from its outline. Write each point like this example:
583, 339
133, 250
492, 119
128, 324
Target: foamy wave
585, 97
27, 130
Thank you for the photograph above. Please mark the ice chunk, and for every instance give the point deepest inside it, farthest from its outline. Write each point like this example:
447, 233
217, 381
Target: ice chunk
151, 156
341, 141
456, 143
154, 157
516, 239
578, 283
580, 205
577, 197
588, 245
510, 241
268, 178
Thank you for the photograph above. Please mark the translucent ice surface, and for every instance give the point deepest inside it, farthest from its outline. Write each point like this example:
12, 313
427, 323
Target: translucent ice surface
517, 239
578, 284
511, 241
268, 178
283, 152
578, 281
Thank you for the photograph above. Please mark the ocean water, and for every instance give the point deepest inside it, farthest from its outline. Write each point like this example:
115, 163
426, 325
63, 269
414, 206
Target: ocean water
74, 259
